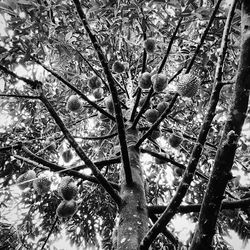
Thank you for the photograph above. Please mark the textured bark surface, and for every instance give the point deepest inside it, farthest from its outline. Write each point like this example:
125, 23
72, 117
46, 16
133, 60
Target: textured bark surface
225, 155
133, 218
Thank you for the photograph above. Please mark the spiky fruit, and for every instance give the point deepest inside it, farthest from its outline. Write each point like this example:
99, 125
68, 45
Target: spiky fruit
74, 103
178, 171
26, 178
109, 104
98, 93
188, 85
155, 134
94, 82
175, 140
42, 184
66, 208
149, 45
67, 155
152, 115
145, 80
67, 188
159, 82
161, 107
118, 67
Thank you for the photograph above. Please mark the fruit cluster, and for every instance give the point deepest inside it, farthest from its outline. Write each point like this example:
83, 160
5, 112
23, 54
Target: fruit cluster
67, 189
41, 184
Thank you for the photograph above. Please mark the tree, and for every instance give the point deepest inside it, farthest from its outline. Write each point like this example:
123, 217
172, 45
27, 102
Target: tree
119, 122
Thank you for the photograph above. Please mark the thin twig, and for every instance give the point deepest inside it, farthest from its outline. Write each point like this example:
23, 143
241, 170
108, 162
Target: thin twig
20, 96
50, 232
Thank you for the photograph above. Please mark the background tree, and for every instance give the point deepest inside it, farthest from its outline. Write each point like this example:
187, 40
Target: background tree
113, 123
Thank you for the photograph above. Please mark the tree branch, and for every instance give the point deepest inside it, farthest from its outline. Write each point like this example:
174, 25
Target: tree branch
114, 93
221, 172
68, 84
203, 36
33, 84
151, 91
50, 232
194, 158
56, 168
20, 96
195, 208
166, 232
80, 152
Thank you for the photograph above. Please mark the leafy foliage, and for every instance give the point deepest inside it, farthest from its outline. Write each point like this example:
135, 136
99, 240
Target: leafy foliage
50, 33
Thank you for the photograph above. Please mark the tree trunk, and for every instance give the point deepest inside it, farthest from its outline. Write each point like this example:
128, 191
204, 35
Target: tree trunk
133, 218
221, 172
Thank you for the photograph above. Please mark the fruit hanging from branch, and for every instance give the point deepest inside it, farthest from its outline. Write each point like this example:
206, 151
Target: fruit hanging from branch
24, 180
159, 82
152, 115
67, 188
98, 93
74, 103
109, 104
188, 85
161, 106
42, 184
155, 134
67, 155
175, 140
66, 208
94, 82
118, 67
145, 80
149, 45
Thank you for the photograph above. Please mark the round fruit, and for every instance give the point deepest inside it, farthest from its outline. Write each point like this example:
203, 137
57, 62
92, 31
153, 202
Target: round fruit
74, 104
94, 82
149, 45
66, 208
67, 155
159, 82
155, 134
161, 107
24, 180
145, 80
118, 67
67, 188
152, 115
188, 85
98, 93
42, 184
178, 171
175, 140
109, 104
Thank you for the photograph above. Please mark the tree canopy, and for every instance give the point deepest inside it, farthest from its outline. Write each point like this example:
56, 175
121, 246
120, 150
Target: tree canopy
123, 120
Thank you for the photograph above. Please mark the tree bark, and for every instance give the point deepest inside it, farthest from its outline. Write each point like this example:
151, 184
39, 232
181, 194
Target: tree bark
225, 154
133, 217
